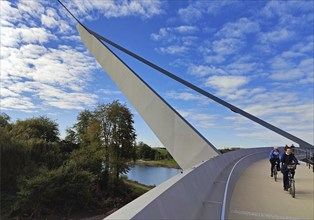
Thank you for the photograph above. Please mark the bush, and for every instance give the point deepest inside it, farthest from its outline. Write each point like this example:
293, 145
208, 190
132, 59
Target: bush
56, 191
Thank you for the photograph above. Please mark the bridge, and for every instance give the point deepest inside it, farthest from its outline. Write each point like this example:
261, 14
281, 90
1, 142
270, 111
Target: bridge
211, 185
235, 185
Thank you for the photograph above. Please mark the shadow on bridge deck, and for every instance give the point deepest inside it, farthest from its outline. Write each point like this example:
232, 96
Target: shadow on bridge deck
257, 196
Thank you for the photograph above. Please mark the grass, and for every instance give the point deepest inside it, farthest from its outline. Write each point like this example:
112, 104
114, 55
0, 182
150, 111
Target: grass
137, 188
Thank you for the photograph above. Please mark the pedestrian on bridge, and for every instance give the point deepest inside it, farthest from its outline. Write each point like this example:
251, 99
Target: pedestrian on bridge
273, 158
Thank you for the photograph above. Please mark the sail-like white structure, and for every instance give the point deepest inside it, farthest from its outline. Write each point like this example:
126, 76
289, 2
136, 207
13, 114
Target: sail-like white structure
187, 146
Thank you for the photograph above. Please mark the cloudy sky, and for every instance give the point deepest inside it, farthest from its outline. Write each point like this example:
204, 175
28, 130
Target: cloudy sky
257, 55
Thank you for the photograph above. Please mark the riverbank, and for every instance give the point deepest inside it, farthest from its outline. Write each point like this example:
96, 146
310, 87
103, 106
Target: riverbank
158, 163
137, 187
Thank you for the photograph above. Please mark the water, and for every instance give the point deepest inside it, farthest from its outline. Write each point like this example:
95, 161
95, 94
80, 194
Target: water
151, 175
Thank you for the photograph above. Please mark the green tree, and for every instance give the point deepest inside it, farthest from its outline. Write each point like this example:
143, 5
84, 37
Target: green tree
64, 190
70, 141
42, 175
83, 121
146, 152
39, 128
13, 160
4, 120
118, 136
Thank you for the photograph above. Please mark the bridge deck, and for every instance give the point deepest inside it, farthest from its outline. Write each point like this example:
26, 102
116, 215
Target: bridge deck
257, 196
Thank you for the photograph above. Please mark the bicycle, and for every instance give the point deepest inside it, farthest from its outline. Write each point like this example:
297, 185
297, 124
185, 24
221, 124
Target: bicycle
290, 168
275, 172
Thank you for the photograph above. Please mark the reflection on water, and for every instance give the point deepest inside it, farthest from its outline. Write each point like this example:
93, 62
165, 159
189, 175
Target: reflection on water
151, 175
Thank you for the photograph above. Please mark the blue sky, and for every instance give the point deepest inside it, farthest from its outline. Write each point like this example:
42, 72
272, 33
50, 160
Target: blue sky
257, 55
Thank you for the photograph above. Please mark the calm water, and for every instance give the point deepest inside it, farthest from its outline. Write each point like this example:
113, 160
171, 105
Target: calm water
151, 175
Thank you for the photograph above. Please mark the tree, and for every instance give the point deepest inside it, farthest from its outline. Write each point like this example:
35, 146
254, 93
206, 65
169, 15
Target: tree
83, 121
118, 136
71, 136
70, 141
13, 160
146, 152
41, 174
4, 120
64, 189
39, 128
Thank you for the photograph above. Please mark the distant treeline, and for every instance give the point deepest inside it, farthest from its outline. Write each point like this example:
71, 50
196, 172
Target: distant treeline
42, 175
145, 152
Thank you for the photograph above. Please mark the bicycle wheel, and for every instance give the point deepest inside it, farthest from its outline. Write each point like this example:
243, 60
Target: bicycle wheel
292, 189
290, 186
275, 174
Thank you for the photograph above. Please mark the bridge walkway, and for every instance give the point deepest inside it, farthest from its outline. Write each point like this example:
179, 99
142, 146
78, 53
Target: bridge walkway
257, 196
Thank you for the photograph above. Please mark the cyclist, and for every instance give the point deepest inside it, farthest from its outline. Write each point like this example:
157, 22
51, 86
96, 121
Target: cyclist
273, 157
287, 158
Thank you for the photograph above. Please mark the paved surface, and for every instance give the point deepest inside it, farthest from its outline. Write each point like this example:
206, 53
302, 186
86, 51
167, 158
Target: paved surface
257, 195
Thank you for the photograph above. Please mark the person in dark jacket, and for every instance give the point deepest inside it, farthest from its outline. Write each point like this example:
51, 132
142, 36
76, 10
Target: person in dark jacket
273, 158
287, 158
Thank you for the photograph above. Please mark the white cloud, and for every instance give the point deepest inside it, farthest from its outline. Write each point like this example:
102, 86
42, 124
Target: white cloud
226, 82
178, 39
238, 29
293, 65
113, 9
280, 8
170, 34
35, 76
242, 67
200, 120
109, 92
60, 67
227, 46
202, 70
9, 14
279, 63
187, 96
186, 29
30, 9
276, 36
12, 36
7, 93
190, 14
71, 38
283, 109
20, 103
304, 47
14, 97
287, 76
196, 9
49, 22
56, 98
174, 49
271, 137
214, 58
